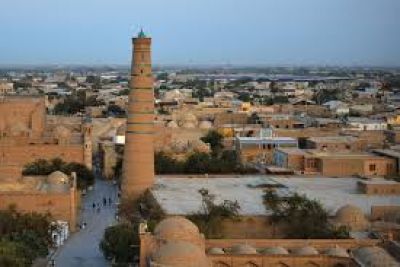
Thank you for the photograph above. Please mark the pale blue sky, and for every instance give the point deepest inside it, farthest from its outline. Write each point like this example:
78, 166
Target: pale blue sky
273, 32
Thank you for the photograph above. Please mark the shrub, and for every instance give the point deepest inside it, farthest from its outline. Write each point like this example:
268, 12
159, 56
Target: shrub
304, 218
209, 219
85, 177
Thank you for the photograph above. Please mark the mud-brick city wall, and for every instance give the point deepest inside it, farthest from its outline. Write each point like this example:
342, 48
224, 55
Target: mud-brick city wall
61, 206
14, 158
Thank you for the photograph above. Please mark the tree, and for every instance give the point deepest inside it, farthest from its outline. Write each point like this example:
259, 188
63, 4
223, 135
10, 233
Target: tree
273, 86
227, 162
245, 97
24, 237
121, 243
85, 177
209, 219
198, 162
303, 217
167, 165
215, 139
115, 111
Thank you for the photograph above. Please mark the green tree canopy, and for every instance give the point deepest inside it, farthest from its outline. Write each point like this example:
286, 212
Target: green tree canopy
209, 219
85, 177
120, 243
215, 139
24, 237
304, 218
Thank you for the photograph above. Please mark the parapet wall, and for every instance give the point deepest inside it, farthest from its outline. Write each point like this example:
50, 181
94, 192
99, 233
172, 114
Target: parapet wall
61, 206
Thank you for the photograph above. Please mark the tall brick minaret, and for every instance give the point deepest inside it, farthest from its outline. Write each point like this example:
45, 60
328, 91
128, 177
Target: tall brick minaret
138, 164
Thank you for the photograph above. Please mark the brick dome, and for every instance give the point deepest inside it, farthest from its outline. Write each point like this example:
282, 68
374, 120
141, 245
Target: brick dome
58, 182
172, 124
275, 251
307, 250
216, 251
205, 125
57, 177
243, 249
177, 229
337, 252
179, 254
61, 131
352, 217
374, 256
18, 129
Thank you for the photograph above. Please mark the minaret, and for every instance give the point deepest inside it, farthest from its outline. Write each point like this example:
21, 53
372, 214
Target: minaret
138, 164
87, 142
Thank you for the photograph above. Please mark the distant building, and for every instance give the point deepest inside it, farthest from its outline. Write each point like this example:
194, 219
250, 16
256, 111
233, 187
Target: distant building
27, 134
365, 124
56, 194
260, 149
334, 164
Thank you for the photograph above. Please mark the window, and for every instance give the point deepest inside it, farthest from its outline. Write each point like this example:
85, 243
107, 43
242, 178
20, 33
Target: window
372, 167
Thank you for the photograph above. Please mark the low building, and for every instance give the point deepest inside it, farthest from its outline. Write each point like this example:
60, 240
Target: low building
334, 143
337, 107
55, 194
334, 164
379, 187
284, 121
365, 124
230, 118
261, 149
177, 242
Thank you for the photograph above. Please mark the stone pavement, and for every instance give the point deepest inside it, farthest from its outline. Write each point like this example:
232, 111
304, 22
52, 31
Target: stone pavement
82, 248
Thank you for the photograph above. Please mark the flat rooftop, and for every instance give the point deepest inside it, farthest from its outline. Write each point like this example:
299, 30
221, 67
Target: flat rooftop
334, 193
333, 139
180, 196
260, 140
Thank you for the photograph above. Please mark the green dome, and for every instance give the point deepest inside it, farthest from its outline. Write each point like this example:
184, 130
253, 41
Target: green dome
141, 34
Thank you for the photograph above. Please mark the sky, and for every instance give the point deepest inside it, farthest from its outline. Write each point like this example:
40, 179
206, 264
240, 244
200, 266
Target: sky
242, 32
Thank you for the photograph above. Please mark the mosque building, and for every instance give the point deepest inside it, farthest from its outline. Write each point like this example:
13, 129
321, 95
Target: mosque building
177, 242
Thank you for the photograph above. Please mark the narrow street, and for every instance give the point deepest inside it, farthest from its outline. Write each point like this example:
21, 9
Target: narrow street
82, 248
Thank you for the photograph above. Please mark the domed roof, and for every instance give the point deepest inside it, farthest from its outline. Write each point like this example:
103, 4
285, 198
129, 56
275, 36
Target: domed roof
189, 117
58, 182
352, 217
243, 249
189, 125
180, 254
337, 252
205, 124
57, 177
275, 251
374, 256
198, 145
216, 251
349, 211
172, 124
61, 132
307, 250
18, 128
176, 229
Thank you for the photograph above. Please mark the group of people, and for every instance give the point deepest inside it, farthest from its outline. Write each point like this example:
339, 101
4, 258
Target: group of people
97, 206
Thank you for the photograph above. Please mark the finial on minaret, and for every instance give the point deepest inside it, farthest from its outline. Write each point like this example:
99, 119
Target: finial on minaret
141, 34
